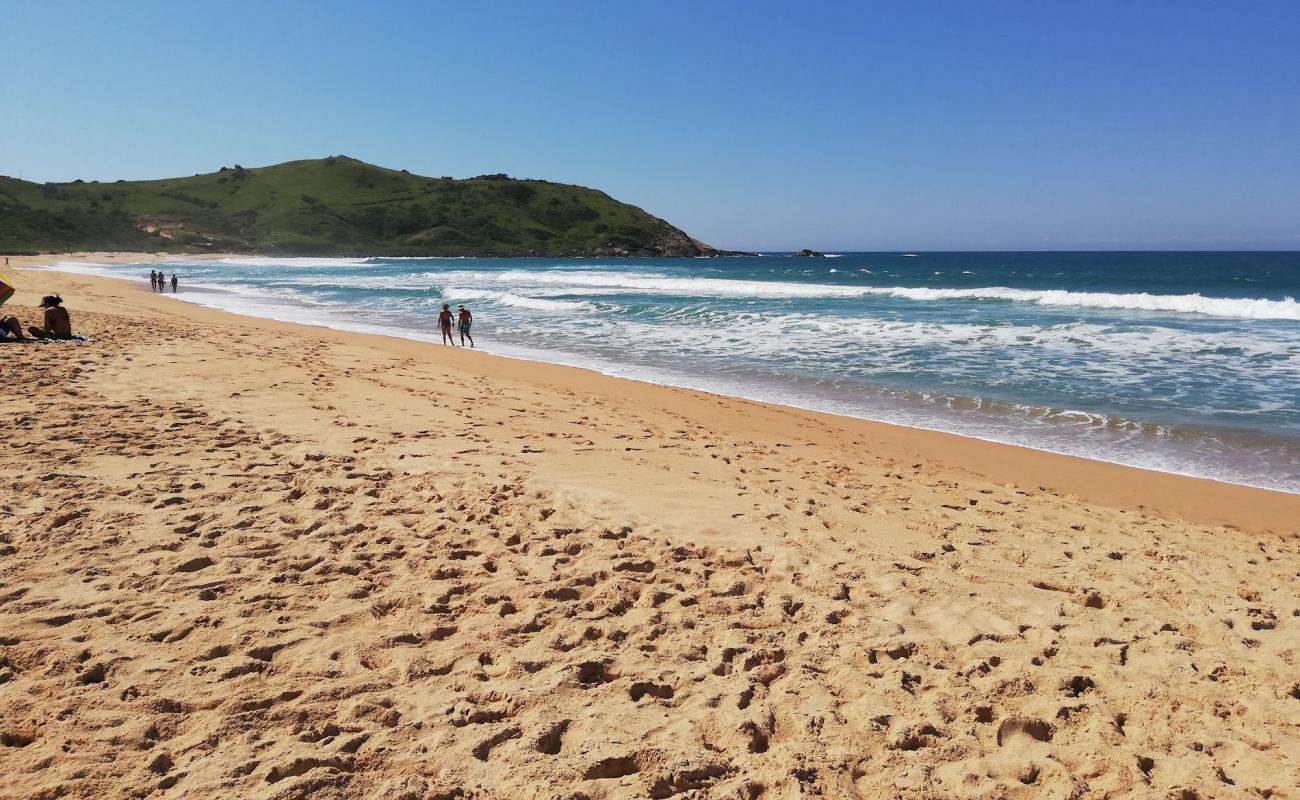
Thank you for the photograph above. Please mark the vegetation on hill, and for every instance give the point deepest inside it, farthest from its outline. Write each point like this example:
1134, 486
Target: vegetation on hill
332, 205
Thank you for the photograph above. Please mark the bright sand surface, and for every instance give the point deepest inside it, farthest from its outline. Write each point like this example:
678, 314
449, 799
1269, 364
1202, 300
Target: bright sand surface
241, 558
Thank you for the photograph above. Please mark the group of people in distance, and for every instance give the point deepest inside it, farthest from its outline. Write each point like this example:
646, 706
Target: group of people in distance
463, 320
57, 324
158, 281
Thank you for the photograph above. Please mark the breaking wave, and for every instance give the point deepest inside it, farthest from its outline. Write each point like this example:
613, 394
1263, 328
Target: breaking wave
1229, 307
293, 262
517, 300
1236, 308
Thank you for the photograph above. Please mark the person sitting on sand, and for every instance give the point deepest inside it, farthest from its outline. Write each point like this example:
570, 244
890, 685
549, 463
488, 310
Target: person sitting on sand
463, 320
444, 324
10, 326
173, 283
58, 325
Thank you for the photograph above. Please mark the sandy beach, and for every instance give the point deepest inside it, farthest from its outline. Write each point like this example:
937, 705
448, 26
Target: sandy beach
243, 558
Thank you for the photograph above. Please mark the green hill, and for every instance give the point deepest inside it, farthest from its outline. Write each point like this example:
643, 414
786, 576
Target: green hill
332, 206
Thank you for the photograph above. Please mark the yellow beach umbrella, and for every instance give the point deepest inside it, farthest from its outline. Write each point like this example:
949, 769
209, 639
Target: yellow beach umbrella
6, 288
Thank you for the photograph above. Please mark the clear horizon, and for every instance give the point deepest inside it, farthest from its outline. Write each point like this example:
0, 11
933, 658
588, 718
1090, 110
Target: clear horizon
751, 126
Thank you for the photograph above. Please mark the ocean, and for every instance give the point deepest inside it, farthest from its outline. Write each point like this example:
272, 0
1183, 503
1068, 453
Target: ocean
1181, 362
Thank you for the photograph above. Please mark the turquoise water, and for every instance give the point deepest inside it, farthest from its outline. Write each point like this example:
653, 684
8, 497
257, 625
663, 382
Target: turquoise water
1182, 362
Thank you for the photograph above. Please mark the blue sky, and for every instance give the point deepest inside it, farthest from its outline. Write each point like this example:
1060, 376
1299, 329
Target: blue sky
755, 125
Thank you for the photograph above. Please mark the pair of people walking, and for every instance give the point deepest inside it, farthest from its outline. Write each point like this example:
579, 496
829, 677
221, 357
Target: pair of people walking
158, 281
463, 321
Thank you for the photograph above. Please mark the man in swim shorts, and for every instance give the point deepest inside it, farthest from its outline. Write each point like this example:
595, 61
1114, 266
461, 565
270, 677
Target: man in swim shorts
463, 320
444, 324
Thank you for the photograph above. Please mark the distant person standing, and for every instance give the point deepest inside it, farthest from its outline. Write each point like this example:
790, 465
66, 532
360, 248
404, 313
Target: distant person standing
463, 320
173, 283
153, 280
444, 324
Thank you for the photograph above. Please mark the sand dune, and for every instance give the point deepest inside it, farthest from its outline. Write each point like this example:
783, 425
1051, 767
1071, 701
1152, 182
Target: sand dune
244, 559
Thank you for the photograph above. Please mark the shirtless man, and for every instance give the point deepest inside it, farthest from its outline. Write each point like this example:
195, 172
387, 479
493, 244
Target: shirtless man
463, 320
58, 325
444, 324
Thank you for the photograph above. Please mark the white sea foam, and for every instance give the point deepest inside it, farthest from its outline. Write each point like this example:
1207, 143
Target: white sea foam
95, 269
560, 282
380, 259
1237, 308
889, 345
83, 268
518, 301
293, 262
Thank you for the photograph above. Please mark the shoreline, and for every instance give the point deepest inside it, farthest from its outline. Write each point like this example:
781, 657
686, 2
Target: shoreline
674, 383
1015, 425
246, 558
1129, 488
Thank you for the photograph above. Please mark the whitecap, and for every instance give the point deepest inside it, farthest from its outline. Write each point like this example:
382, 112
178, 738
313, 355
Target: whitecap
293, 262
516, 300
1239, 308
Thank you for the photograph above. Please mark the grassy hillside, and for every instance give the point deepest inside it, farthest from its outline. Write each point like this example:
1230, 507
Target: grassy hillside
331, 206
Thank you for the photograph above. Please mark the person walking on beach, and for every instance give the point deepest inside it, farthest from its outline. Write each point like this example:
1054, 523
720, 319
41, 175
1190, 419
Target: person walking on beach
444, 324
173, 283
463, 320
153, 280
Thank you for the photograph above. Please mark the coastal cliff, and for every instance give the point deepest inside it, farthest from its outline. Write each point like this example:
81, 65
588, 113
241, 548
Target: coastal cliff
333, 206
